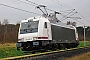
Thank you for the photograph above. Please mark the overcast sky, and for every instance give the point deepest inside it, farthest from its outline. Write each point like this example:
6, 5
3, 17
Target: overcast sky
13, 15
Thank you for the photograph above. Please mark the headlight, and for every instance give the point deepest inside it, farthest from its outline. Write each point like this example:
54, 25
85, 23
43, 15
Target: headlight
34, 38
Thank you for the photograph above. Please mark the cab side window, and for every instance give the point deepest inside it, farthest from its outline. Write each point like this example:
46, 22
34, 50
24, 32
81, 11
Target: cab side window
45, 24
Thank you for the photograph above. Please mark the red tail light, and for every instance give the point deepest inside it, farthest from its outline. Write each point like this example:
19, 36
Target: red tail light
19, 39
42, 37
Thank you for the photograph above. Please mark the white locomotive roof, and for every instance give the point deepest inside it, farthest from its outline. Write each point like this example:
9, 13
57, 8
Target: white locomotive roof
51, 21
33, 18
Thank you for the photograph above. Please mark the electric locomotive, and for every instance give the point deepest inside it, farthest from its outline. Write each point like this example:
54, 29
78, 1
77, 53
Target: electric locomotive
44, 32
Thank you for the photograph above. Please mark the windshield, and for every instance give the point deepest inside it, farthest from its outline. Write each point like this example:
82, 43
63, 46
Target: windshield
29, 27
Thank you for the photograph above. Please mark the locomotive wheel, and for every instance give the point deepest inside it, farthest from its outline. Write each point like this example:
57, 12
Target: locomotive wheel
54, 47
68, 46
59, 46
62, 46
45, 49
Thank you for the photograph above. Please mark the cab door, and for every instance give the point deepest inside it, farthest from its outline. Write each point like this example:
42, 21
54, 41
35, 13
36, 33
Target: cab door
49, 31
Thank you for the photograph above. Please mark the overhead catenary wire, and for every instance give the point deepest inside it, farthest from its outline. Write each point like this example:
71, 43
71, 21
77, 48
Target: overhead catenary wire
38, 5
40, 9
18, 9
79, 22
74, 19
32, 2
67, 14
44, 7
83, 17
57, 1
25, 2
67, 11
53, 10
35, 4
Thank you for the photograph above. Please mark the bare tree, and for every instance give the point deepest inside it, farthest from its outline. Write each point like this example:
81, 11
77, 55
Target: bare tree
0, 22
18, 22
5, 22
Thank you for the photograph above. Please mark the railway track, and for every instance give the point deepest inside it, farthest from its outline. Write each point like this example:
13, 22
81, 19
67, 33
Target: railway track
53, 55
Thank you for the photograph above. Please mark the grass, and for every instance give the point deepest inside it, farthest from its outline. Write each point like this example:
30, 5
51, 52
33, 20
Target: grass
85, 56
81, 43
9, 52
9, 49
